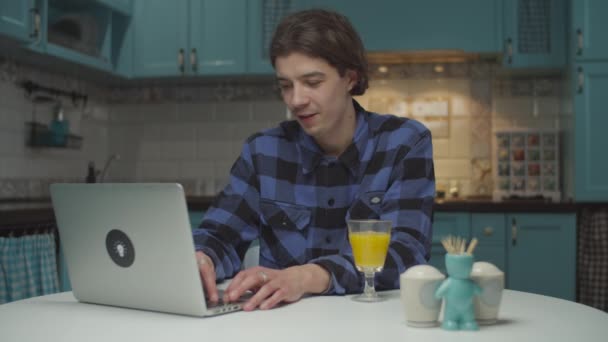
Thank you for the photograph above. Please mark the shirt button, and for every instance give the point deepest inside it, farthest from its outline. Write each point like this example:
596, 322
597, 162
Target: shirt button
331, 202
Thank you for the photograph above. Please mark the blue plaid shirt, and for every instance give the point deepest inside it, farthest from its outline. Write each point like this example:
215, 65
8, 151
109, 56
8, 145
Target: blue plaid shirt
285, 192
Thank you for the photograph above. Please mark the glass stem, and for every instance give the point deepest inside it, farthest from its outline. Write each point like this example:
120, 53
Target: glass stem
369, 290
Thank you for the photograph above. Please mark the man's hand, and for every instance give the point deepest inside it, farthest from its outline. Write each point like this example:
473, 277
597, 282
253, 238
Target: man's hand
207, 273
272, 287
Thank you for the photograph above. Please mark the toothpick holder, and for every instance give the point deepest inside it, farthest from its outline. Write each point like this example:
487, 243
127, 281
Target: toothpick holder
457, 292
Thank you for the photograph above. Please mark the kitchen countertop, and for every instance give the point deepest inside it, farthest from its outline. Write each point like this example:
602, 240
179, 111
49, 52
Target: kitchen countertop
22, 211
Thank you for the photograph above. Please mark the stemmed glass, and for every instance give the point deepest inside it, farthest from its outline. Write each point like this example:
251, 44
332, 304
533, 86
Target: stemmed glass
369, 240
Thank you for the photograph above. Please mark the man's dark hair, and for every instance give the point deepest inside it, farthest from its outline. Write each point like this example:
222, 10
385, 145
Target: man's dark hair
322, 34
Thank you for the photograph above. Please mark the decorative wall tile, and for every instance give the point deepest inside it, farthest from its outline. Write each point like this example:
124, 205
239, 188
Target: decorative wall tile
191, 131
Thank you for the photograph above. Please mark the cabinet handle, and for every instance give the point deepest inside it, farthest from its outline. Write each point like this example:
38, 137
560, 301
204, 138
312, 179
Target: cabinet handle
37, 24
180, 60
581, 80
579, 39
488, 231
509, 51
513, 232
193, 59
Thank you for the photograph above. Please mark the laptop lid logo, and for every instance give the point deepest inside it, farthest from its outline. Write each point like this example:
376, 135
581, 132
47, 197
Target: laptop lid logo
120, 248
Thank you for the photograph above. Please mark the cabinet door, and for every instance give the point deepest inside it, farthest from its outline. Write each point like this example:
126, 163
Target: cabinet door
217, 37
15, 19
490, 231
160, 34
122, 6
589, 29
542, 254
535, 33
264, 16
469, 25
444, 224
591, 168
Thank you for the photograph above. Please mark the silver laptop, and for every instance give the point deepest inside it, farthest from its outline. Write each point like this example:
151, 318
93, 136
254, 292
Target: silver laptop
130, 245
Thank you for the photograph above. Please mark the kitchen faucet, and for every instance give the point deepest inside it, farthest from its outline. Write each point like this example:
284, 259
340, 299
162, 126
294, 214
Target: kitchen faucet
107, 166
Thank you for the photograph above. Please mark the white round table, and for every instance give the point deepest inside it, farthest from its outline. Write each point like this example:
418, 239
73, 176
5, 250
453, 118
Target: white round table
523, 317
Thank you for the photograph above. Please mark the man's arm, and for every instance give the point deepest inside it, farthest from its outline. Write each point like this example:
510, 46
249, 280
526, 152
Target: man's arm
231, 222
408, 203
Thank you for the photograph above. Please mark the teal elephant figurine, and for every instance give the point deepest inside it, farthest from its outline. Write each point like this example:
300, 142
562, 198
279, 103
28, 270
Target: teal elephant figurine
458, 291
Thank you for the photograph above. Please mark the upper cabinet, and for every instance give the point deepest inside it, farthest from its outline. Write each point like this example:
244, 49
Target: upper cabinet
534, 34
17, 19
409, 25
590, 169
124, 7
160, 37
589, 88
589, 25
218, 44
264, 16
183, 37
156, 38
78, 31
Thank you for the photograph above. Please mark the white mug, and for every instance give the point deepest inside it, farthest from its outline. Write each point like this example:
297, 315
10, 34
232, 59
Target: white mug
492, 283
418, 284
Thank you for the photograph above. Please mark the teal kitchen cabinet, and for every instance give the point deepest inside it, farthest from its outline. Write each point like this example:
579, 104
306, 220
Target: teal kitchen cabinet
590, 167
263, 17
535, 33
541, 251
79, 32
18, 18
124, 7
218, 40
444, 224
184, 37
589, 72
489, 230
388, 25
196, 217
589, 27
160, 37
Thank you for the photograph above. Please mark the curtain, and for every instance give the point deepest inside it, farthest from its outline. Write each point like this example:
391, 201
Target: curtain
28, 267
592, 267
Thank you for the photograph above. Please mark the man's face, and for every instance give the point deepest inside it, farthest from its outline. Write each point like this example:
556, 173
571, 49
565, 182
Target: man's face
315, 93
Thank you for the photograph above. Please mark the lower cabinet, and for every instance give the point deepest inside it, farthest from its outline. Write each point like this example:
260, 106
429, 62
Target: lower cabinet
541, 253
444, 224
196, 217
536, 251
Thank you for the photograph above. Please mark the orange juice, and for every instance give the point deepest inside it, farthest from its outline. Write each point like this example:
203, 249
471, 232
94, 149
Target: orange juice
369, 249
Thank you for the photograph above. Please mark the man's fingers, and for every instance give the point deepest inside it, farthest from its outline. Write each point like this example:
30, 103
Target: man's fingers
247, 282
234, 284
277, 297
205, 266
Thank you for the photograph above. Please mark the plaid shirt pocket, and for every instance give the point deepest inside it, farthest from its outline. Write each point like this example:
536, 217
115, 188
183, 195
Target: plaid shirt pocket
284, 231
366, 206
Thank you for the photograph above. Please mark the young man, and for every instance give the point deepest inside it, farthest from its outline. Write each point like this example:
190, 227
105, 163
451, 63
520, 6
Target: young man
294, 186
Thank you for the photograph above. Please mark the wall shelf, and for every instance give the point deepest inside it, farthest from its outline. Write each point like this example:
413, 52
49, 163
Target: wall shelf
40, 136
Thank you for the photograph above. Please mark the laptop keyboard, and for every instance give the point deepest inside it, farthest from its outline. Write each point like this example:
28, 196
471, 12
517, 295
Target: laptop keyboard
220, 302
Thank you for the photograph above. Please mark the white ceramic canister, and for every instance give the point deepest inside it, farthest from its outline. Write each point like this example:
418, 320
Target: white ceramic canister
418, 285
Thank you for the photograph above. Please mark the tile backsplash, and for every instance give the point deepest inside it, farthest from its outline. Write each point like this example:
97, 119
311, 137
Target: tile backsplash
192, 133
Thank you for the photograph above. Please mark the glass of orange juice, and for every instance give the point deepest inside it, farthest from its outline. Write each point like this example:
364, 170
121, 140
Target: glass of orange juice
369, 240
